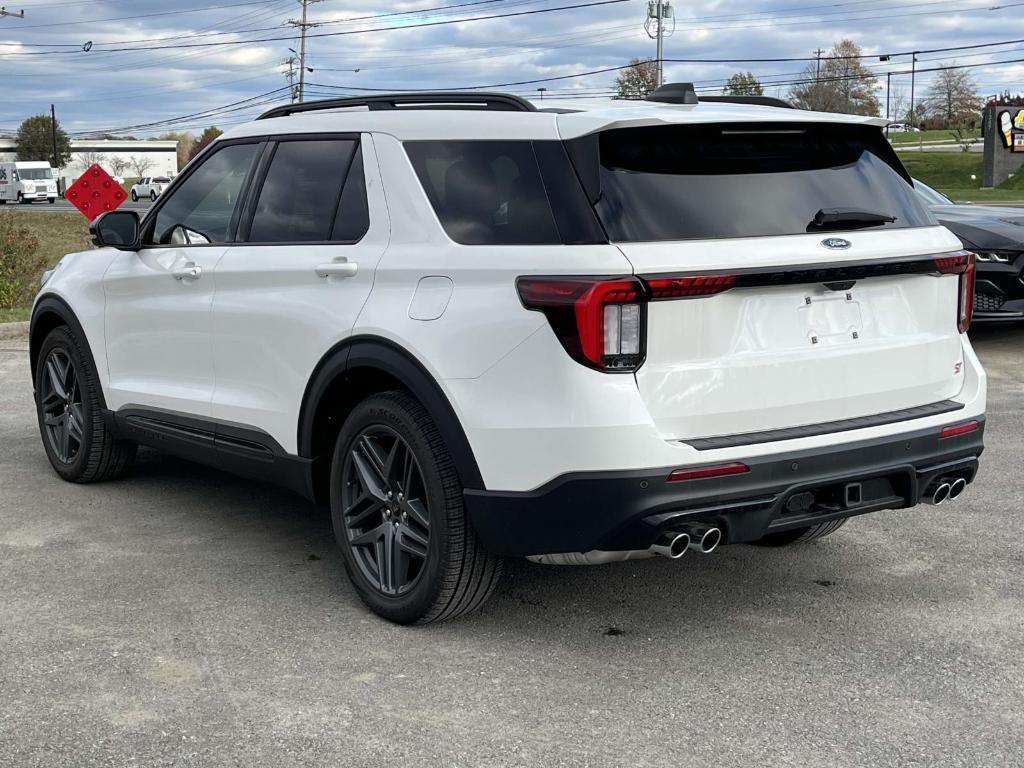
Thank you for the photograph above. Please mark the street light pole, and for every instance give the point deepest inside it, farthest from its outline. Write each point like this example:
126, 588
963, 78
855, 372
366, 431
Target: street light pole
53, 135
913, 77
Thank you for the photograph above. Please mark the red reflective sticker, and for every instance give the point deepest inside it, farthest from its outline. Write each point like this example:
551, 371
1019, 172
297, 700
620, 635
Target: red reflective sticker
95, 192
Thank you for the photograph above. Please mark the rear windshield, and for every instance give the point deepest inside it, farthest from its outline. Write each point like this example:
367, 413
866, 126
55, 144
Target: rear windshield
161, 180
724, 181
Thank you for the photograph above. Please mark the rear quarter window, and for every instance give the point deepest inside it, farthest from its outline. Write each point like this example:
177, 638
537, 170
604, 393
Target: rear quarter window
485, 192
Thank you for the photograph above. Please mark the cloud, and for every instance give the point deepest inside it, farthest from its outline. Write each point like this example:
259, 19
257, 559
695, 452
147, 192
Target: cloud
103, 89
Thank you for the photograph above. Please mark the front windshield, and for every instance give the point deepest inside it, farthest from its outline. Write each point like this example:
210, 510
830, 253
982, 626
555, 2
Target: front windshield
35, 174
929, 195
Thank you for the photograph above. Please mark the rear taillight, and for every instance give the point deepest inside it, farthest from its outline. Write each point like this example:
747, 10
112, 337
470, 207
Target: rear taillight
960, 263
599, 321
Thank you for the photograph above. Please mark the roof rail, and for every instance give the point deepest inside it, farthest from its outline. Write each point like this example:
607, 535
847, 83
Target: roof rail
761, 101
499, 102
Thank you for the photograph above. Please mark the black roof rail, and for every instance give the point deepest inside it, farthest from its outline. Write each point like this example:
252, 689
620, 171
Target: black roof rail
761, 101
499, 102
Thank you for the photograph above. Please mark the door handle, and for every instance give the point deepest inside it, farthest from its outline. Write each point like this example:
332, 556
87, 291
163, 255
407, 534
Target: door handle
189, 271
340, 268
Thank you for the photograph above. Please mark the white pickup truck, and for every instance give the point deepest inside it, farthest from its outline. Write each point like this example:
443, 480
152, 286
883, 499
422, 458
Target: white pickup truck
25, 181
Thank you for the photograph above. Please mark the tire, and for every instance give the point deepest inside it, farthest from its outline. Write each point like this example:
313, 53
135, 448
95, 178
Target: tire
52, 200
135, 196
22, 200
152, 196
77, 442
377, 506
801, 535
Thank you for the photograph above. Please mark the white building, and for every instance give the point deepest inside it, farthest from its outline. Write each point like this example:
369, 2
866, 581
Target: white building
156, 158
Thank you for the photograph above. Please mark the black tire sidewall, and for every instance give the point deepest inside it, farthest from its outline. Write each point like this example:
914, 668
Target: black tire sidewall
60, 338
135, 196
407, 608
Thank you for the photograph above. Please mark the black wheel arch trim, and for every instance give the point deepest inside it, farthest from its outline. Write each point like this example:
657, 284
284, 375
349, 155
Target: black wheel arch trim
366, 351
51, 304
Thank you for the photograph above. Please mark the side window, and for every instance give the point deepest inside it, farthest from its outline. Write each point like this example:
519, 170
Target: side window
485, 192
314, 191
201, 208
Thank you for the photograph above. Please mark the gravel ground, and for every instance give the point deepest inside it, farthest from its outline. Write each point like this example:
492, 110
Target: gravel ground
183, 617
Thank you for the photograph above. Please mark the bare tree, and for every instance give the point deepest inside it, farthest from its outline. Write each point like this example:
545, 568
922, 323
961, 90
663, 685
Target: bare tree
638, 80
185, 141
139, 164
118, 165
838, 83
91, 158
899, 103
953, 97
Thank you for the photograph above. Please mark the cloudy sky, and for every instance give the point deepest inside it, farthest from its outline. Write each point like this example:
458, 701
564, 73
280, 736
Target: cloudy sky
192, 63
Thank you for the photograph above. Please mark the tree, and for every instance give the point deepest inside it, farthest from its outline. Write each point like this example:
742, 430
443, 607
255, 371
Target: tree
118, 165
953, 97
90, 158
34, 141
838, 83
185, 143
139, 164
744, 84
637, 80
204, 140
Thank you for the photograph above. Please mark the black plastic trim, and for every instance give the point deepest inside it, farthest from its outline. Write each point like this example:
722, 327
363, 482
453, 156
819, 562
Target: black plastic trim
235, 448
583, 511
53, 304
383, 355
823, 428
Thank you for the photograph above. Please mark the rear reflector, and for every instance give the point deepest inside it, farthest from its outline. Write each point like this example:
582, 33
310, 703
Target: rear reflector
700, 473
958, 429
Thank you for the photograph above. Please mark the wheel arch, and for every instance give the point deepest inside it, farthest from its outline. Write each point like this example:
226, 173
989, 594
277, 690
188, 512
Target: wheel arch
355, 369
51, 311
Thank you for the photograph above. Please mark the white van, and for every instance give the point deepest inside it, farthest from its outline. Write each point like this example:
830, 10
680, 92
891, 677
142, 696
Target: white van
27, 180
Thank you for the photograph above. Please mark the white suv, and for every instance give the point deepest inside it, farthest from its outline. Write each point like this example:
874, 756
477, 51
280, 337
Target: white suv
478, 329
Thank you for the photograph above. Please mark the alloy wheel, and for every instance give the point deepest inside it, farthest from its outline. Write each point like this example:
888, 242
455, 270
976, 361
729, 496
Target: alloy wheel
61, 403
385, 510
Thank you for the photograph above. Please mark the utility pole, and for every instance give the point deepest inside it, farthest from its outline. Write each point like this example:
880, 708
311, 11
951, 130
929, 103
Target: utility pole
290, 74
542, 91
12, 14
657, 12
53, 135
817, 69
913, 76
303, 26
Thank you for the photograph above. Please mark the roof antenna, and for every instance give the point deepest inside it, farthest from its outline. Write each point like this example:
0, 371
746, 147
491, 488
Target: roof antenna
674, 93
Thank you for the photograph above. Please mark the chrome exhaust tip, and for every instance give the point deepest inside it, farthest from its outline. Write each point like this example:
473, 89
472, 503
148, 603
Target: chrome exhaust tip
672, 545
957, 487
941, 494
704, 538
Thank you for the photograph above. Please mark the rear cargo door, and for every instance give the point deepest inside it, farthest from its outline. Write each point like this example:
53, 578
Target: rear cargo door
825, 297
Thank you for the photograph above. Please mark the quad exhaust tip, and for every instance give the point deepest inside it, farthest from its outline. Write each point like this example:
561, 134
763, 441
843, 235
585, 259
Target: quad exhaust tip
957, 487
704, 538
941, 493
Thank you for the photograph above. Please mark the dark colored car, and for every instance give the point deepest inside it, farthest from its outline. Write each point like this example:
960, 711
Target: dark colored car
997, 236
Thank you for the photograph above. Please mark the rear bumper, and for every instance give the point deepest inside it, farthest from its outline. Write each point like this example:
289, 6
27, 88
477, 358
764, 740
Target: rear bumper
584, 511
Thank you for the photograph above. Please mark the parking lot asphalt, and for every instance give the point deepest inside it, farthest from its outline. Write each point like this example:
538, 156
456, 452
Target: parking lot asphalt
182, 617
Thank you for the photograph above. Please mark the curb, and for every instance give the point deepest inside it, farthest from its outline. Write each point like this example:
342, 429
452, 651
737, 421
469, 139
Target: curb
14, 330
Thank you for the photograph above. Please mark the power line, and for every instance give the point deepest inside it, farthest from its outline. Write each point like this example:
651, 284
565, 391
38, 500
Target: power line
419, 25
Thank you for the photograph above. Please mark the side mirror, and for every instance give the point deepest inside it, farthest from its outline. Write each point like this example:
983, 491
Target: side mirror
116, 229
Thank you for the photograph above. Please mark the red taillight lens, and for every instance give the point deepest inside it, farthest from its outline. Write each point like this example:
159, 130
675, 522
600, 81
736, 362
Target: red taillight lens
700, 473
598, 321
960, 263
958, 429
691, 286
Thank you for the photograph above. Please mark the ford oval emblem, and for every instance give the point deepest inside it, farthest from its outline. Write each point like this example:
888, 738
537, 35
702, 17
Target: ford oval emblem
836, 243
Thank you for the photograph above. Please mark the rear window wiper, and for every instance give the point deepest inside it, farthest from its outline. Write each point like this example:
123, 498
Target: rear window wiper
847, 218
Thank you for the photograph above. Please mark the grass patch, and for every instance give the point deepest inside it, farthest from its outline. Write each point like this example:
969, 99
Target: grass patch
950, 173
942, 135
59, 233
14, 315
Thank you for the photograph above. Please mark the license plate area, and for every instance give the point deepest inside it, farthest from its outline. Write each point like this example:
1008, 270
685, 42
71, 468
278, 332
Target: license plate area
832, 318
